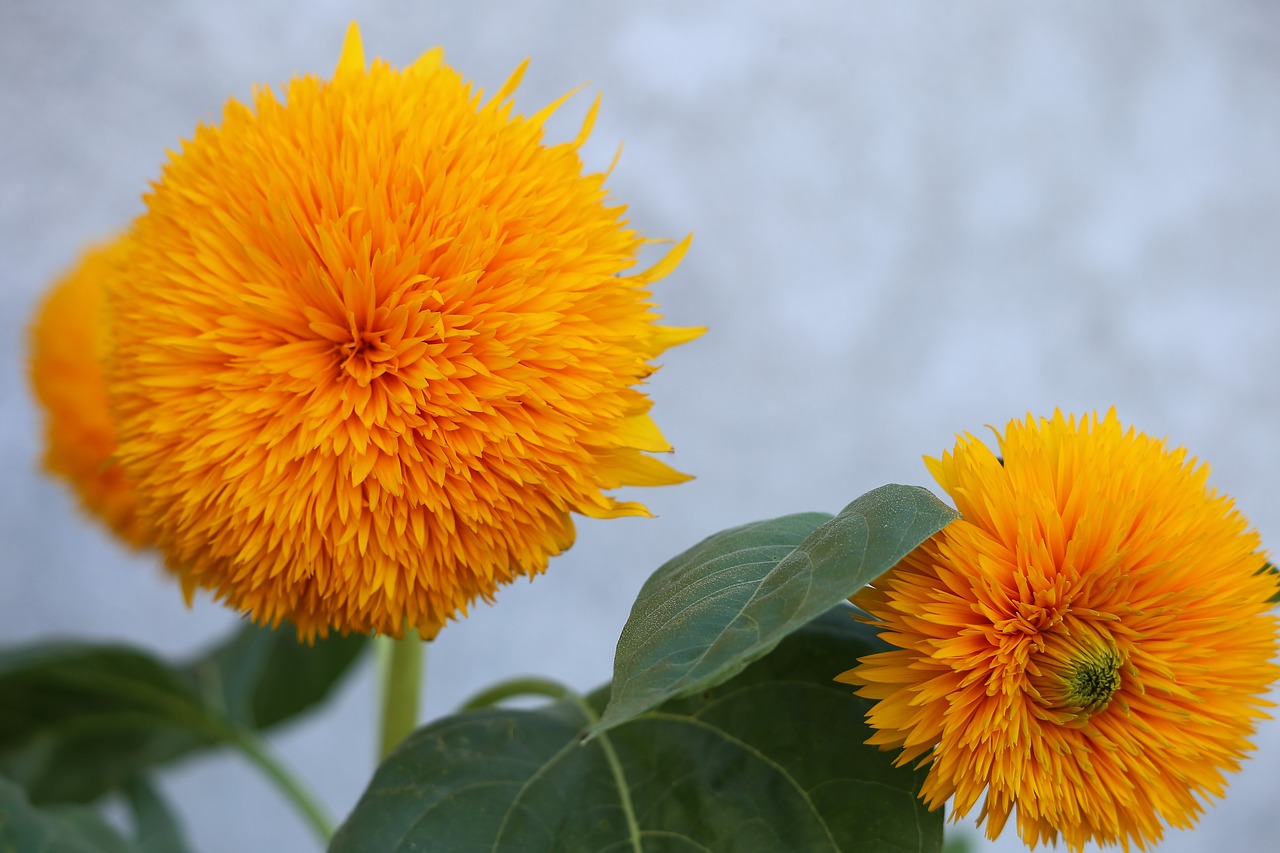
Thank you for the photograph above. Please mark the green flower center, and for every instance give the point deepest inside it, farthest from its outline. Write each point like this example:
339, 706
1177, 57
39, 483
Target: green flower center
1076, 673
1092, 681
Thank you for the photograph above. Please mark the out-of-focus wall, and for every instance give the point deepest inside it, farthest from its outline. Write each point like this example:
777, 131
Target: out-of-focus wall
912, 219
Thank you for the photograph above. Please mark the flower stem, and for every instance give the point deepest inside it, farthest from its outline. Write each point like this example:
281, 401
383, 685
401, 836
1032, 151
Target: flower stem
516, 687
402, 684
316, 816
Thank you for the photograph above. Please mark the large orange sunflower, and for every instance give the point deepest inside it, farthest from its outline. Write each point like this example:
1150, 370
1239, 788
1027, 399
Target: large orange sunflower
69, 340
1089, 645
376, 342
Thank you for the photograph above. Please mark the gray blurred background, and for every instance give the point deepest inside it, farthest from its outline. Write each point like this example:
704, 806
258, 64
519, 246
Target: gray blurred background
911, 219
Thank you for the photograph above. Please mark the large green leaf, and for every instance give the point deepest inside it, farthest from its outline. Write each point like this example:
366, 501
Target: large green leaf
25, 828
715, 608
78, 719
262, 677
774, 759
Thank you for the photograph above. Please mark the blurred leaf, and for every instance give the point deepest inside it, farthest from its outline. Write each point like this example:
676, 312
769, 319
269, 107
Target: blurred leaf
25, 828
261, 677
715, 608
79, 719
155, 825
773, 759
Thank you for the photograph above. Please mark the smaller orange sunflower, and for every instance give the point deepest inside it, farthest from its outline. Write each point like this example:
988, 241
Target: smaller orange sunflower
69, 341
1089, 645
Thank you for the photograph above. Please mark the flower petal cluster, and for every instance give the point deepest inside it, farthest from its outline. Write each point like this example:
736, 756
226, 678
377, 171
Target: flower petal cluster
1088, 646
69, 341
376, 343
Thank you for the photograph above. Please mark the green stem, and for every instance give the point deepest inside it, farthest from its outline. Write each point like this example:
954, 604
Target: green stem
401, 688
528, 686
291, 786
615, 769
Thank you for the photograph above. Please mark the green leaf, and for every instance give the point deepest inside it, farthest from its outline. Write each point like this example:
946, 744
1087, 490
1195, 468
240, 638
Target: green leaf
25, 828
78, 719
774, 759
155, 825
262, 677
709, 612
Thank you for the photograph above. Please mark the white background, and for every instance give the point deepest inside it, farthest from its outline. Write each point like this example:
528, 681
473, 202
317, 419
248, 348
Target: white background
911, 219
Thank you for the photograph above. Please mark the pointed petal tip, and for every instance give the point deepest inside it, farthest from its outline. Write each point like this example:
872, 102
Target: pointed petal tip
513, 82
669, 262
352, 59
666, 337
430, 61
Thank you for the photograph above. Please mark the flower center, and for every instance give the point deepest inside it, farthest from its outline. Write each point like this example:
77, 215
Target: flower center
1076, 675
1094, 680
367, 355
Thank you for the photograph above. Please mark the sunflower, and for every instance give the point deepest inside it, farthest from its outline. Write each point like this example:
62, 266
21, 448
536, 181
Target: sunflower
376, 343
1089, 645
69, 340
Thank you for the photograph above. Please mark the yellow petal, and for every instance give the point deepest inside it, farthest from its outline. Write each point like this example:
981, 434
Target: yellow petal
664, 267
351, 62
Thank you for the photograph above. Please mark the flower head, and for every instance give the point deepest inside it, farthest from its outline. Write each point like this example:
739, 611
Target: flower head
1089, 644
376, 343
69, 341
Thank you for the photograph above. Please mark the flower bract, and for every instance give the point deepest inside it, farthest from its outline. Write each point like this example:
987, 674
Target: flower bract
1089, 646
376, 343
69, 341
